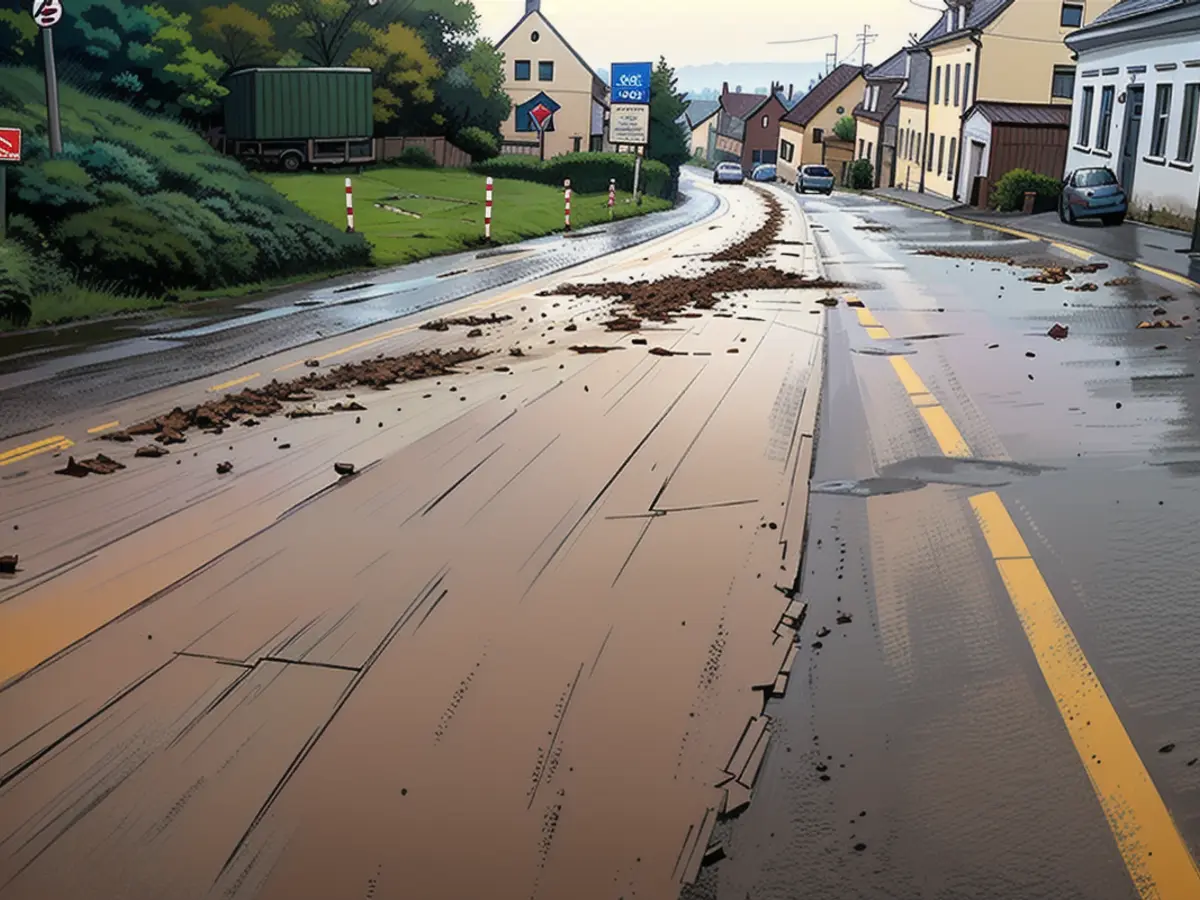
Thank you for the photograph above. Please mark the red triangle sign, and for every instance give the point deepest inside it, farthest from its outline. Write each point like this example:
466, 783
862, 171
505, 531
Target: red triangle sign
541, 115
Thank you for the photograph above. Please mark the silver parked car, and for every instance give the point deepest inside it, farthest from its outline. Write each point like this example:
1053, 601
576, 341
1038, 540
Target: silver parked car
814, 178
729, 173
1092, 193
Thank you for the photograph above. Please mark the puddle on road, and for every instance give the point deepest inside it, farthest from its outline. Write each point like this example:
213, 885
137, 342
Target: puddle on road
914, 474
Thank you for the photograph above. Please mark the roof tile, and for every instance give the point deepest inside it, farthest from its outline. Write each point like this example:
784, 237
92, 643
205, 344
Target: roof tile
821, 95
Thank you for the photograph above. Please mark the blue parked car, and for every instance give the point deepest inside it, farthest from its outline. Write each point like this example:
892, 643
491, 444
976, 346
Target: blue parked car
764, 172
1092, 193
814, 178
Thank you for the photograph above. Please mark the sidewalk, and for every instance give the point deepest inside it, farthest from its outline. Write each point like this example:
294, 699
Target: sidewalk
1156, 250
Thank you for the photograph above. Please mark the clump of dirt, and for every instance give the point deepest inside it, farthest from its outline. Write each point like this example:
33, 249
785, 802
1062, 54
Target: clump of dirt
254, 404
98, 465
872, 227
760, 241
1050, 275
966, 254
1121, 282
1089, 268
465, 321
663, 351
592, 348
1086, 287
1159, 323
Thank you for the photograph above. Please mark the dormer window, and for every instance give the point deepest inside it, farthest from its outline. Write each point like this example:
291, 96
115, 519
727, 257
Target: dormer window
962, 17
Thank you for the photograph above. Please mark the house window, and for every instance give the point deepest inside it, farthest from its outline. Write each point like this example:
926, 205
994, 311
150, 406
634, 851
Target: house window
1104, 125
1162, 120
1085, 115
1072, 15
962, 17
766, 122
546, 71
818, 135
861, 146
576, 144
535, 37
941, 153
787, 150
951, 158
1062, 85
937, 84
929, 154
522, 70
870, 150
957, 83
1187, 124
966, 86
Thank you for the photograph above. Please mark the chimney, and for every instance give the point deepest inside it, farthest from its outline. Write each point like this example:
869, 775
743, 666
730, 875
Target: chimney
532, 6
791, 90
739, 89
724, 88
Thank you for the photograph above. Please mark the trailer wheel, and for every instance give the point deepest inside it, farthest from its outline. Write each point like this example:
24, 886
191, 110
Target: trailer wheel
291, 162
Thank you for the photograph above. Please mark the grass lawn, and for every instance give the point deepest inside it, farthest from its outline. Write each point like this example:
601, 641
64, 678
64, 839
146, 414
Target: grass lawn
438, 211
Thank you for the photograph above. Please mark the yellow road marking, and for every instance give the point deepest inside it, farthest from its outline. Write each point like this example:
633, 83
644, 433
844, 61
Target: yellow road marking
908, 377
866, 317
1170, 276
944, 431
1074, 251
20, 454
228, 384
878, 332
107, 426
1154, 852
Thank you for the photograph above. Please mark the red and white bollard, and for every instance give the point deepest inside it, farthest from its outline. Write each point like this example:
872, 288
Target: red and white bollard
612, 196
487, 213
567, 195
349, 208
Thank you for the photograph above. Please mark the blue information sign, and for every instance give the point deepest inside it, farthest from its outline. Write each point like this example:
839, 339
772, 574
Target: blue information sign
631, 82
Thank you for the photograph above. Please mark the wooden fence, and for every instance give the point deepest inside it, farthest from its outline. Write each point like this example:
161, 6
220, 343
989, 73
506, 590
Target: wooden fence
446, 154
523, 148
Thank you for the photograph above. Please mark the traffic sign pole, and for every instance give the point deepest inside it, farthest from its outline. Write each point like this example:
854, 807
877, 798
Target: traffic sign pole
47, 13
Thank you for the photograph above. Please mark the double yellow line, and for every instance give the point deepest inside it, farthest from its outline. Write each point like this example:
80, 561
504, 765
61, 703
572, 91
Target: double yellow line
28, 451
1157, 857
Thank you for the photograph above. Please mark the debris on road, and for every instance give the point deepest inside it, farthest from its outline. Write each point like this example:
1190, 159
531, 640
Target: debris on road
1089, 268
8, 565
966, 254
1159, 311
353, 406
1058, 331
592, 348
1159, 323
623, 323
119, 437
344, 469
760, 241
571, 327
1166, 748
98, 465
313, 363
640, 341
823, 632
1086, 287
249, 423
516, 351
663, 351
300, 397
828, 301
1121, 282
224, 468
475, 333
1050, 275
285, 446
856, 303
465, 321
1030, 354
151, 451
844, 619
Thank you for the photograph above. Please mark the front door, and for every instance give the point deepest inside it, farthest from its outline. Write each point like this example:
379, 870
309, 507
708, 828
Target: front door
1134, 98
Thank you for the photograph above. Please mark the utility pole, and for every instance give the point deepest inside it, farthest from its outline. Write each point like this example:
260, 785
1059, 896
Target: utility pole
864, 38
831, 61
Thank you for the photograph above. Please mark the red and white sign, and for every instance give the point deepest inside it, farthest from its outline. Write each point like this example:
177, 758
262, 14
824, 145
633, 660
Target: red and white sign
10, 144
541, 115
47, 12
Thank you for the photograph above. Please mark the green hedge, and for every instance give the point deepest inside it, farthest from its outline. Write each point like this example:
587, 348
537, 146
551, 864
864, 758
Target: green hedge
16, 282
1009, 193
479, 143
862, 175
590, 173
139, 205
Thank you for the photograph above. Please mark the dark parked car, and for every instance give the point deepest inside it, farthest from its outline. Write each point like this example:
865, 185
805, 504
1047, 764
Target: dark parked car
1092, 193
764, 172
729, 173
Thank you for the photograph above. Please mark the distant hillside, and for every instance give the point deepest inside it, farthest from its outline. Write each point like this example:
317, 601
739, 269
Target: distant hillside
704, 82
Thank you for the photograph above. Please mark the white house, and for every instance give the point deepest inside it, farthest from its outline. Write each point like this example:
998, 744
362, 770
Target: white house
1137, 102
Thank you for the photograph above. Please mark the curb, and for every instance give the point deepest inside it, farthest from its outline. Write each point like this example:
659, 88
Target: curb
1041, 238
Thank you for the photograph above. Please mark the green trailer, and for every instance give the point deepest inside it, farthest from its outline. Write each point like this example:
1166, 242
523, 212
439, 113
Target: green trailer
299, 117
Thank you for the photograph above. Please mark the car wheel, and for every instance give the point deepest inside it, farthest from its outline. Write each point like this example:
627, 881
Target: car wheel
1062, 211
291, 162
827, 193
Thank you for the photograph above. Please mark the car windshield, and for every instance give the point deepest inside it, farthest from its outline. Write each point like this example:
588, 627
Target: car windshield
1094, 177
818, 172
728, 167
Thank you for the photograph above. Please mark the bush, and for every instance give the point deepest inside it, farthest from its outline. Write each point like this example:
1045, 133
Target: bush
417, 157
1008, 195
862, 175
845, 128
477, 142
590, 173
16, 289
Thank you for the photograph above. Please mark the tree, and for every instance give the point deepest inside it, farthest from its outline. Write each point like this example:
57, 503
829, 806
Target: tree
472, 95
845, 128
18, 32
188, 74
668, 142
326, 31
238, 36
404, 71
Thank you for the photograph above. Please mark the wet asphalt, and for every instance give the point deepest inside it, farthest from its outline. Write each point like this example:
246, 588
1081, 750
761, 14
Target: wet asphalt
923, 755
60, 372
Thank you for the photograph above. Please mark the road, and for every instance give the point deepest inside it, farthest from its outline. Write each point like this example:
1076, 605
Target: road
547, 641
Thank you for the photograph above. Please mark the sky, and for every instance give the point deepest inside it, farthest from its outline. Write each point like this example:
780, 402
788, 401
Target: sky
696, 32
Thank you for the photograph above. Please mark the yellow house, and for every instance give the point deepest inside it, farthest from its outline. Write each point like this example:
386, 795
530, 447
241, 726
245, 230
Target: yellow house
911, 121
701, 124
542, 69
1008, 51
802, 131
876, 117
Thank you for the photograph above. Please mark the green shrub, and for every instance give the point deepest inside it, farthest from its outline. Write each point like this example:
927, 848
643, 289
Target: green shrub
845, 128
417, 157
589, 173
106, 162
862, 175
477, 142
51, 190
16, 288
1008, 195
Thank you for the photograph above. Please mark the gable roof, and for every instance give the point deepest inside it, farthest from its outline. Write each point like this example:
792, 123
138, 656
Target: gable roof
887, 100
823, 94
1037, 114
980, 14
743, 106
556, 33
890, 68
1128, 8
789, 103
700, 111
917, 88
